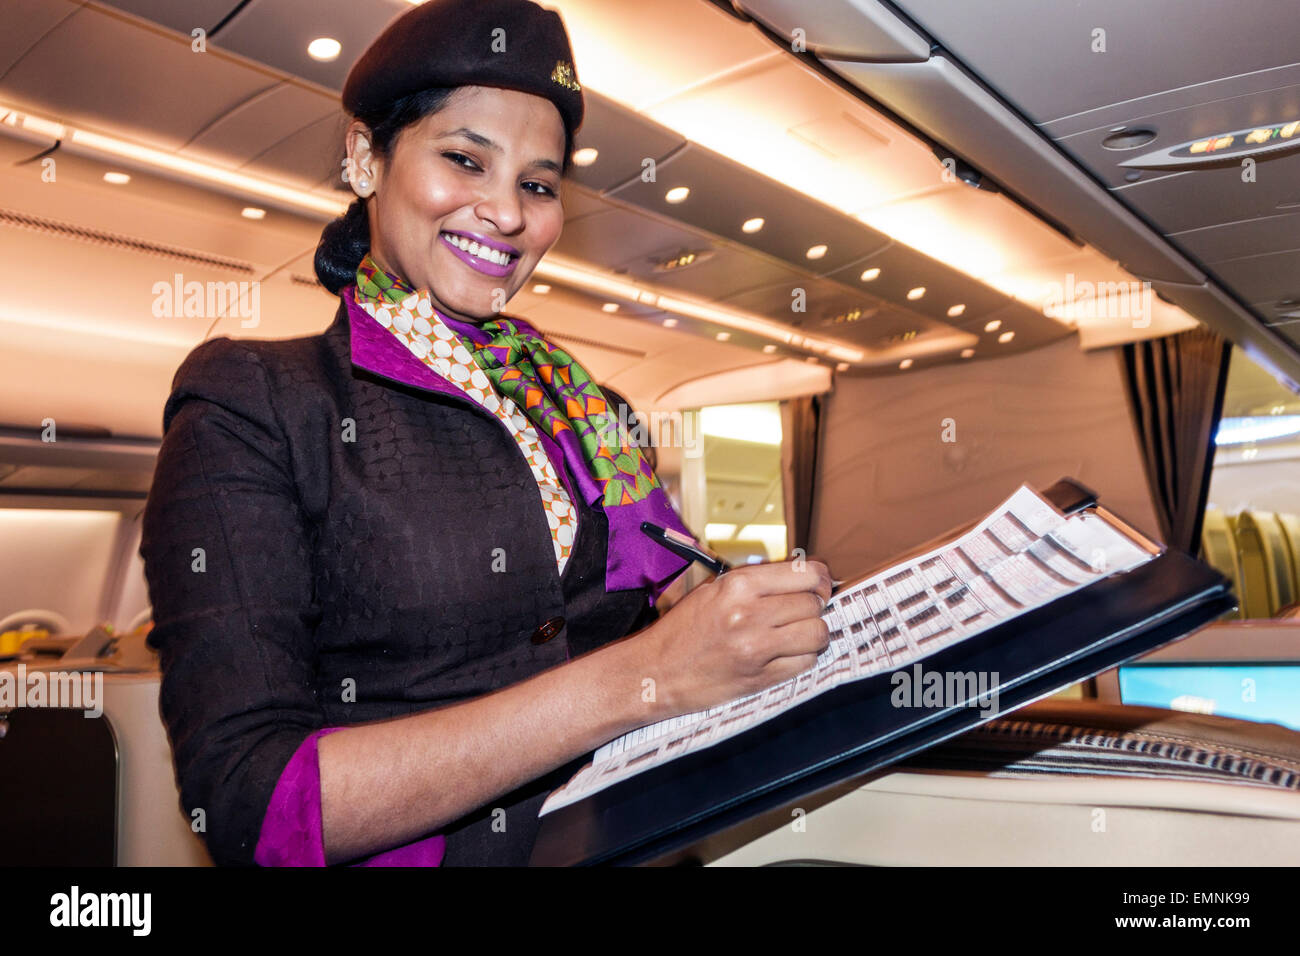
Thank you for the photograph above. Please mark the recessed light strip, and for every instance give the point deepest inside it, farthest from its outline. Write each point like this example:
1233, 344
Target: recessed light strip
97, 145
560, 269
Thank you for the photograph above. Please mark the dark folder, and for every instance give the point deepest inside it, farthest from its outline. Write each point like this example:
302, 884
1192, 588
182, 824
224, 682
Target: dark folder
854, 729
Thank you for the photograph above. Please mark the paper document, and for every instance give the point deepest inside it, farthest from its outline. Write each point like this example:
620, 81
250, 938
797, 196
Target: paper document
1022, 556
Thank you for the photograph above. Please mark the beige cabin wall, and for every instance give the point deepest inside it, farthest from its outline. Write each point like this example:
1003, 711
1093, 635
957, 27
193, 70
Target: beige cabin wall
888, 481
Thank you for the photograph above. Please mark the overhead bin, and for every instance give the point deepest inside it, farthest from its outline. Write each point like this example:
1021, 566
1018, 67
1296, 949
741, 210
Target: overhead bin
945, 104
852, 30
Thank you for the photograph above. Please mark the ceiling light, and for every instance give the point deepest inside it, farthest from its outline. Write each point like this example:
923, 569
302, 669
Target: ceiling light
870, 275
916, 293
816, 252
1006, 336
252, 212
670, 323
993, 326
769, 508
585, 156
117, 179
906, 363
716, 531
955, 311
677, 194
752, 225
967, 353
541, 288
325, 49
609, 307
1236, 431
842, 367
769, 349
723, 336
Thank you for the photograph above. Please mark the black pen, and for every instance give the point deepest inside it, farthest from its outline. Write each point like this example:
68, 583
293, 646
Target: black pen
683, 547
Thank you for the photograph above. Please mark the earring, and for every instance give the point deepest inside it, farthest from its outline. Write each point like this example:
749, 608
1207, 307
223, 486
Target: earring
364, 184
345, 171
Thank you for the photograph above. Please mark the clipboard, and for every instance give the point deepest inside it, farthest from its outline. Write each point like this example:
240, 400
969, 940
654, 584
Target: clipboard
855, 729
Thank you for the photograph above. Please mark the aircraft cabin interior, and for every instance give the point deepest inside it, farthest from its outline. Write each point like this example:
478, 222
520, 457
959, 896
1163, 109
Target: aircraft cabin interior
861, 269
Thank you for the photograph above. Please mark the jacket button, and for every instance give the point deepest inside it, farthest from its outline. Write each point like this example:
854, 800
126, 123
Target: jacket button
548, 630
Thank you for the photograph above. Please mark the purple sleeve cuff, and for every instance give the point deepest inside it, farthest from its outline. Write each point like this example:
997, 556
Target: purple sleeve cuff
291, 830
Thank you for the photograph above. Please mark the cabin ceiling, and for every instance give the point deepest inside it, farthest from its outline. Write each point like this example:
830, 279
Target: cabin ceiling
750, 128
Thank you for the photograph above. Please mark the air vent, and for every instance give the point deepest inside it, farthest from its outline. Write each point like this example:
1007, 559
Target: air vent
561, 337
1129, 138
64, 230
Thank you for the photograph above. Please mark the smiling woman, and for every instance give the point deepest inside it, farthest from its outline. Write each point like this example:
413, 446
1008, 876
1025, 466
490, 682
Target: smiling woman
423, 579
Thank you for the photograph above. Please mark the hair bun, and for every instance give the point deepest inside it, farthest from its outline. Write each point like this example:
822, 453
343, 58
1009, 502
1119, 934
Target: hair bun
343, 244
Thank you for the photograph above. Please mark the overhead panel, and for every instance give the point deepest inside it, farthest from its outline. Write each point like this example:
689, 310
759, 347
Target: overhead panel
183, 17
99, 70
278, 32
1056, 59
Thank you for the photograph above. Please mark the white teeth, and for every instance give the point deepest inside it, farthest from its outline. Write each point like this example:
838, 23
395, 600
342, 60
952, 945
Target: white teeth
474, 249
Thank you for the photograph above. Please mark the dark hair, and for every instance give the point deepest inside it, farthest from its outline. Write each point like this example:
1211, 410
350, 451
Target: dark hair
345, 241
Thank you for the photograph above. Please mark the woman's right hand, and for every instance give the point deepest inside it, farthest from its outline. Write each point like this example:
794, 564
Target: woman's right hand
747, 629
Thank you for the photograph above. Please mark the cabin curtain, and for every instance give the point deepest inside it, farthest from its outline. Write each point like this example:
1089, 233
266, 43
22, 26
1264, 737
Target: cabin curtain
1175, 390
800, 430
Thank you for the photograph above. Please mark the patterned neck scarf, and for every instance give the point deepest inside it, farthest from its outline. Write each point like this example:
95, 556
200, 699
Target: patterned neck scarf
563, 402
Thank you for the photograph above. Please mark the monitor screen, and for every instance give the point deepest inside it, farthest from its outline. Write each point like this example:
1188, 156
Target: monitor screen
1255, 690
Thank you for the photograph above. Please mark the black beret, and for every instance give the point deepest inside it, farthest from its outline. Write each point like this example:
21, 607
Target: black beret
514, 44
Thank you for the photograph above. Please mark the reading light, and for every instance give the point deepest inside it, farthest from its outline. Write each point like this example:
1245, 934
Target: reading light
677, 194
769, 349
670, 323
752, 225
967, 353
324, 49
993, 326
585, 156
816, 252
1006, 336
769, 508
916, 293
955, 311
723, 336
842, 367
541, 288
252, 212
906, 363
609, 307
117, 179
870, 275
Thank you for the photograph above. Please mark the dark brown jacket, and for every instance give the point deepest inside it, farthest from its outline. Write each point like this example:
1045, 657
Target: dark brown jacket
322, 518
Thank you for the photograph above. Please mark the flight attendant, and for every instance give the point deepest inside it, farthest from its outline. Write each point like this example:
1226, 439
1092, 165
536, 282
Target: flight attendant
396, 568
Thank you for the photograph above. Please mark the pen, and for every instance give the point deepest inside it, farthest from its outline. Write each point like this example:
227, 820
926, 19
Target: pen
683, 547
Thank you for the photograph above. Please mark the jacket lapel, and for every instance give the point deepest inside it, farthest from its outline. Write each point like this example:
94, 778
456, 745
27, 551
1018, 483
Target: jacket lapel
377, 350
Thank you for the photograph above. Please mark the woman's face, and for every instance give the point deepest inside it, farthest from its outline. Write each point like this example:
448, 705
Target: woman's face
485, 168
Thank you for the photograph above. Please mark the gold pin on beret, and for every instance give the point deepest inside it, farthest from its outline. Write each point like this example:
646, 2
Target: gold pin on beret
563, 74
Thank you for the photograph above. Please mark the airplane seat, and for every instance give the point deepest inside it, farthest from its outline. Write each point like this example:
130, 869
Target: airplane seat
1254, 597
1058, 783
1219, 550
1290, 528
